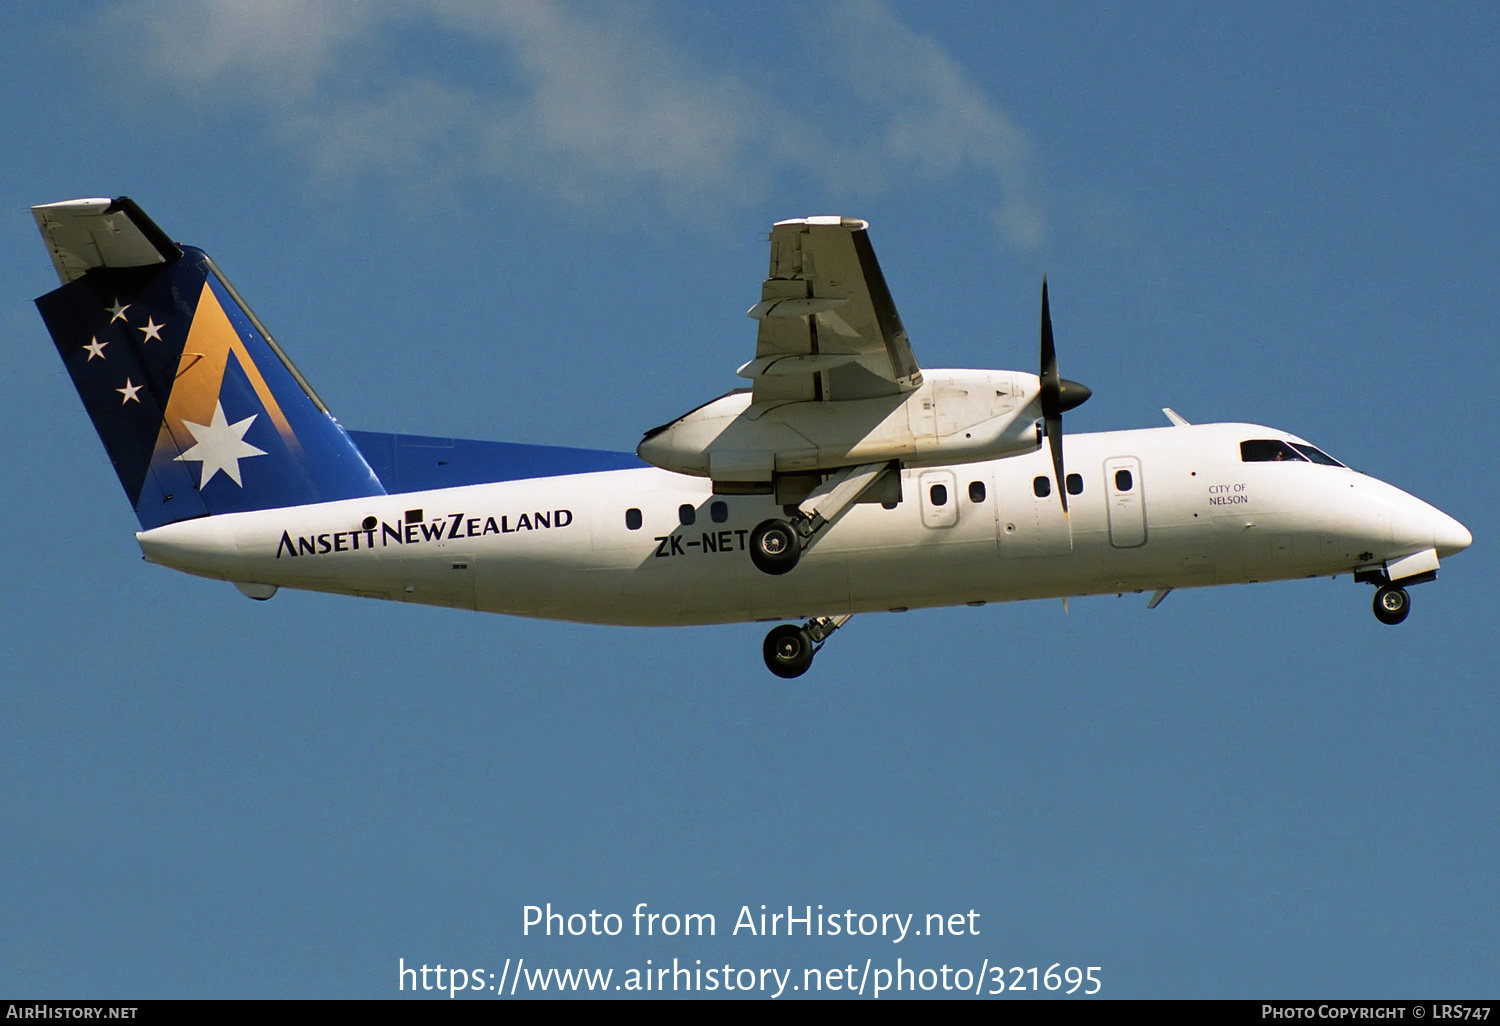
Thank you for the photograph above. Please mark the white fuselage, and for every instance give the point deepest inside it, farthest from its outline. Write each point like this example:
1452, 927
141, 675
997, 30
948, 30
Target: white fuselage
560, 548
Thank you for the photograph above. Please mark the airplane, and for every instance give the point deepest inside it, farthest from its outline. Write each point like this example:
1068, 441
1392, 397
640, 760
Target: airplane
845, 479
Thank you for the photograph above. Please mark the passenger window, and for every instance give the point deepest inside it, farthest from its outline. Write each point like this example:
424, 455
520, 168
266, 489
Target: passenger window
1124, 481
718, 512
939, 494
976, 491
1269, 450
1075, 484
1042, 486
633, 519
686, 514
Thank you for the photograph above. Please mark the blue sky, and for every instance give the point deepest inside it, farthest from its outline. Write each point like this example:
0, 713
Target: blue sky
543, 223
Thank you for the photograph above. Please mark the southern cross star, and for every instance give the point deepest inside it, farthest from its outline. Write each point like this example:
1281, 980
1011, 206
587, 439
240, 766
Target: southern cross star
221, 446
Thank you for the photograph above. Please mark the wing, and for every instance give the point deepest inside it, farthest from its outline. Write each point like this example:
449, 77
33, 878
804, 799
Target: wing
828, 327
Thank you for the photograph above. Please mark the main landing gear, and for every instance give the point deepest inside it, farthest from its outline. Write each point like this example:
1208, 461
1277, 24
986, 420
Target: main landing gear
789, 649
777, 545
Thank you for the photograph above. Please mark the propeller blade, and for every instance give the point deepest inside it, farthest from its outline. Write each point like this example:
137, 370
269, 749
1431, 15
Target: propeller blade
1057, 396
1051, 387
1054, 439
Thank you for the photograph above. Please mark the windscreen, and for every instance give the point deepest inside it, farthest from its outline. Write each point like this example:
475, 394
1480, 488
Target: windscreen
1269, 450
1315, 454
1274, 450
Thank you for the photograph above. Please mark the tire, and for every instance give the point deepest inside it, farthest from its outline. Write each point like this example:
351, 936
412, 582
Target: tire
774, 547
1392, 604
788, 651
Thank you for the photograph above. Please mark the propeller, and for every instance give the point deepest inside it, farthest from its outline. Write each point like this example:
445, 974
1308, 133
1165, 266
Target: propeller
1058, 396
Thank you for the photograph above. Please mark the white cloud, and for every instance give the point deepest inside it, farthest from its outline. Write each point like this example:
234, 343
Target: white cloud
592, 105
937, 120
278, 48
608, 106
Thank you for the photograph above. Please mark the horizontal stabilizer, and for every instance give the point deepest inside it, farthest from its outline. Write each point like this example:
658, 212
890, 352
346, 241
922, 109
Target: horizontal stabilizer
85, 234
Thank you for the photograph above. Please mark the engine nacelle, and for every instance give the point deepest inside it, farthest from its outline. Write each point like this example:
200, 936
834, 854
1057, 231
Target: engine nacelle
955, 416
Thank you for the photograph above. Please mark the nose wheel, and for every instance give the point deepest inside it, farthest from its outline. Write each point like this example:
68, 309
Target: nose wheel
1392, 604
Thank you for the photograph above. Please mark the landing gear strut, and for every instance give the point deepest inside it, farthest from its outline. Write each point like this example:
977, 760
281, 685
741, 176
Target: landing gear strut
777, 545
789, 649
1392, 604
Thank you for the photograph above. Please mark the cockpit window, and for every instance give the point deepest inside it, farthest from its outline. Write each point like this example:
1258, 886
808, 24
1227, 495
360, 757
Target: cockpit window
1274, 450
1315, 454
1269, 450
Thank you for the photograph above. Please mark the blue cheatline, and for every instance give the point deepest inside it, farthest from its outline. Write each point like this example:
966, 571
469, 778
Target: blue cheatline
414, 463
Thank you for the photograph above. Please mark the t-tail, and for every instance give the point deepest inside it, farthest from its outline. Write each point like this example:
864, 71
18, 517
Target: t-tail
199, 409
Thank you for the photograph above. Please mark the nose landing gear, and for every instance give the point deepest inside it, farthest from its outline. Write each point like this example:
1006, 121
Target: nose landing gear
789, 649
1392, 604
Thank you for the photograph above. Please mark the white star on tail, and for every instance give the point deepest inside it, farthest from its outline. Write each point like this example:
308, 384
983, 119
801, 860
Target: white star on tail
96, 348
152, 330
221, 446
129, 392
117, 312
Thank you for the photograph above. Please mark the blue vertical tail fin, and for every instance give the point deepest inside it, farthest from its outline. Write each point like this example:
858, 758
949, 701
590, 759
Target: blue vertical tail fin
199, 409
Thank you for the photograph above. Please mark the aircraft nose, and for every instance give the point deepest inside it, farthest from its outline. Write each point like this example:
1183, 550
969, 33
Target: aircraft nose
1449, 536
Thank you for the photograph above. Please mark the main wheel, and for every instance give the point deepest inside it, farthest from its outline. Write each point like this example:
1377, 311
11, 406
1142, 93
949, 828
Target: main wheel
788, 650
774, 547
1392, 604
